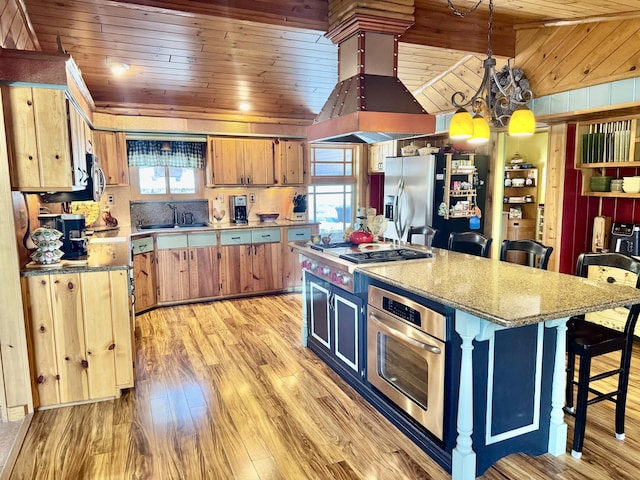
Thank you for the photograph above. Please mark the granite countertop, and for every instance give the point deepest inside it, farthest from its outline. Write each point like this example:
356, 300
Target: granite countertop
507, 294
108, 253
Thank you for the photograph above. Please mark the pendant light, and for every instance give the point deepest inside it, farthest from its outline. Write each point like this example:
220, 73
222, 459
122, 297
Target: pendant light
500, 100
461, 125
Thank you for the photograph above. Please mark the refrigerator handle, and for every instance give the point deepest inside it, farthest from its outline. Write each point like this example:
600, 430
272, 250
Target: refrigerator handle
398, 219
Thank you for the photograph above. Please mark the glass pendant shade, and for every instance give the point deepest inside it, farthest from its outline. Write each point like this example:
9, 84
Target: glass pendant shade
522, 122
480, 130
461, 125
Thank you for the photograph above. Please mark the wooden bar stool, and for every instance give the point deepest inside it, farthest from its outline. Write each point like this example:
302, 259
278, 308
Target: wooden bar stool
470, 242
537, 253
589, 340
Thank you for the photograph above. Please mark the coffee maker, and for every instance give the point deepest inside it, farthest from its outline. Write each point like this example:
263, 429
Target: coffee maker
238, 208
74, 240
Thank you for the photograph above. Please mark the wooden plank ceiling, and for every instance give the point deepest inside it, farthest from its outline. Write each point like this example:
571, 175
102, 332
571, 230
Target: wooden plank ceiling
203, 58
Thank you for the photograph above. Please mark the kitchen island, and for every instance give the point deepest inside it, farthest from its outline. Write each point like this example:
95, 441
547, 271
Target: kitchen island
505, 373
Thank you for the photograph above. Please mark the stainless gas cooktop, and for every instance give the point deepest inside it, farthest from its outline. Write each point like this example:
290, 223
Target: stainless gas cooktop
385, 256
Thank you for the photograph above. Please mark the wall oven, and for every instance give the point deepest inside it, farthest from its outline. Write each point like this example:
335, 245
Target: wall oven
406, 356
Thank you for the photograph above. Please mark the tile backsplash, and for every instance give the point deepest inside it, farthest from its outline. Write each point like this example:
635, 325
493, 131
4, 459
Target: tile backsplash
151, 213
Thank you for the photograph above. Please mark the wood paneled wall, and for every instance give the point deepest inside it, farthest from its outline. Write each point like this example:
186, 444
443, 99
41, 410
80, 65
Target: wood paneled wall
561, 58
14, 27
15, 389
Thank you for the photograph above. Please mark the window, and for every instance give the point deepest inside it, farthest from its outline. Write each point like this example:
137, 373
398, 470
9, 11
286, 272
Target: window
166, 168
166, 180
333, 187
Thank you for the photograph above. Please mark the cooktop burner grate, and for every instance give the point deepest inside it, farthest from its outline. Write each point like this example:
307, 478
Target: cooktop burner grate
331, 245
385, 256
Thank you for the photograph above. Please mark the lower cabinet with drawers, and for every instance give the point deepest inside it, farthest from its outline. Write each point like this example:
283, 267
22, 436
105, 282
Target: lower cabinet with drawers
170, 268
144, 275
250, 261
292, 270
186, 266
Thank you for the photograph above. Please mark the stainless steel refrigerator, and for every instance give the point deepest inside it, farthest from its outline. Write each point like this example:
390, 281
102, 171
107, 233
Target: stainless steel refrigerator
408, 193
413, 190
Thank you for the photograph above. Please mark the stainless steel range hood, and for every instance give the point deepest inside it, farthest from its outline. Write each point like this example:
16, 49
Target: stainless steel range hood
371, 104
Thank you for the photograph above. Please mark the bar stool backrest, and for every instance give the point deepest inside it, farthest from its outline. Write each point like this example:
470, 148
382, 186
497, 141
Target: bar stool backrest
472, 243
537, 254
428, 232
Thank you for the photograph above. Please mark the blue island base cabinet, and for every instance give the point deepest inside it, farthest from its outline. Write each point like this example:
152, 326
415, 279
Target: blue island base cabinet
333, 327
506, 397
503, 388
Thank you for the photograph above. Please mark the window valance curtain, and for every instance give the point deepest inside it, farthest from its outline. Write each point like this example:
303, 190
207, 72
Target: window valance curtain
150, 153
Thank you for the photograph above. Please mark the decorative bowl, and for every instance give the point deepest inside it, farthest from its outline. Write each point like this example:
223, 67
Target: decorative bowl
409, 150
268, 217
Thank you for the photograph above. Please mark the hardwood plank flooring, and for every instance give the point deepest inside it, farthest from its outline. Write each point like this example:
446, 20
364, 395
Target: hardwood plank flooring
224, 390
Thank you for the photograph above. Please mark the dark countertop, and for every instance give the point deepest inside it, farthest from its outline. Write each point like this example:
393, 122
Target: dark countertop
134, 231
111, 249
104, 253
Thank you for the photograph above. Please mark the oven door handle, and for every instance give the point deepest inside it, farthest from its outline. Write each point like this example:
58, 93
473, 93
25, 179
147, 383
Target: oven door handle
409, 340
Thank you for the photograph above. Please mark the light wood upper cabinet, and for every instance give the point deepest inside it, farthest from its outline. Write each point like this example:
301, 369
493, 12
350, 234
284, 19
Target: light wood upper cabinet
47, 139
111, 150
378, 152
291, 166
234, 161
81, 335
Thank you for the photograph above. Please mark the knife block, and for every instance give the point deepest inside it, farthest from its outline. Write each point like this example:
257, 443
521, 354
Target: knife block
296, 216
601, 231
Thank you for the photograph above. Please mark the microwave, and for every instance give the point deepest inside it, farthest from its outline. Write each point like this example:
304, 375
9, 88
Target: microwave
94, 190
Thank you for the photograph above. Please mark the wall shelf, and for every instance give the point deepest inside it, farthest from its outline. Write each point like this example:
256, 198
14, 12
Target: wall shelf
614, 139
460, 170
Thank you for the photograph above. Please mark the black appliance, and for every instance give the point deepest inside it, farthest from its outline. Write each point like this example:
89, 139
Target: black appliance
96, 184
74, 240
385, 256
447, 226
625, 238
238, 208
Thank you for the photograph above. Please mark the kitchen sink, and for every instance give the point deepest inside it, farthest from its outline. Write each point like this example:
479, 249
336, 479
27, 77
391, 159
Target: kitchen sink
159, 226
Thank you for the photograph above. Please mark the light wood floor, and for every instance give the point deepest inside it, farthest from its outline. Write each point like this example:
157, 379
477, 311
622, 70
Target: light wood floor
225, 391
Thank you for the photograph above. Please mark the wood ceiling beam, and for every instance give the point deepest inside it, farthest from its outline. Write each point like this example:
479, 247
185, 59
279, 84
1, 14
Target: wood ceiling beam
309, 14
437, 26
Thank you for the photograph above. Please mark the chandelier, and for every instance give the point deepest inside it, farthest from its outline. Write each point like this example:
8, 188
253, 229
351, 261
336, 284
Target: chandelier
501, 99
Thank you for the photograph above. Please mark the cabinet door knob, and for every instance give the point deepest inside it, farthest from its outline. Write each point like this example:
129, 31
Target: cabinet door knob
84, 364
41, 379
112, 346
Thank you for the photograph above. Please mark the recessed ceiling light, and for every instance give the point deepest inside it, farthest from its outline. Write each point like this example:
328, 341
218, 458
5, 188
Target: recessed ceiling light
245, 107
118, 68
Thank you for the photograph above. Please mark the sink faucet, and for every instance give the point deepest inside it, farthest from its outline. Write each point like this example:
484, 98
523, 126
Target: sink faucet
175, 212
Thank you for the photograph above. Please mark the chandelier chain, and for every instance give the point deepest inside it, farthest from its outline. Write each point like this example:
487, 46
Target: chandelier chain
463, 14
